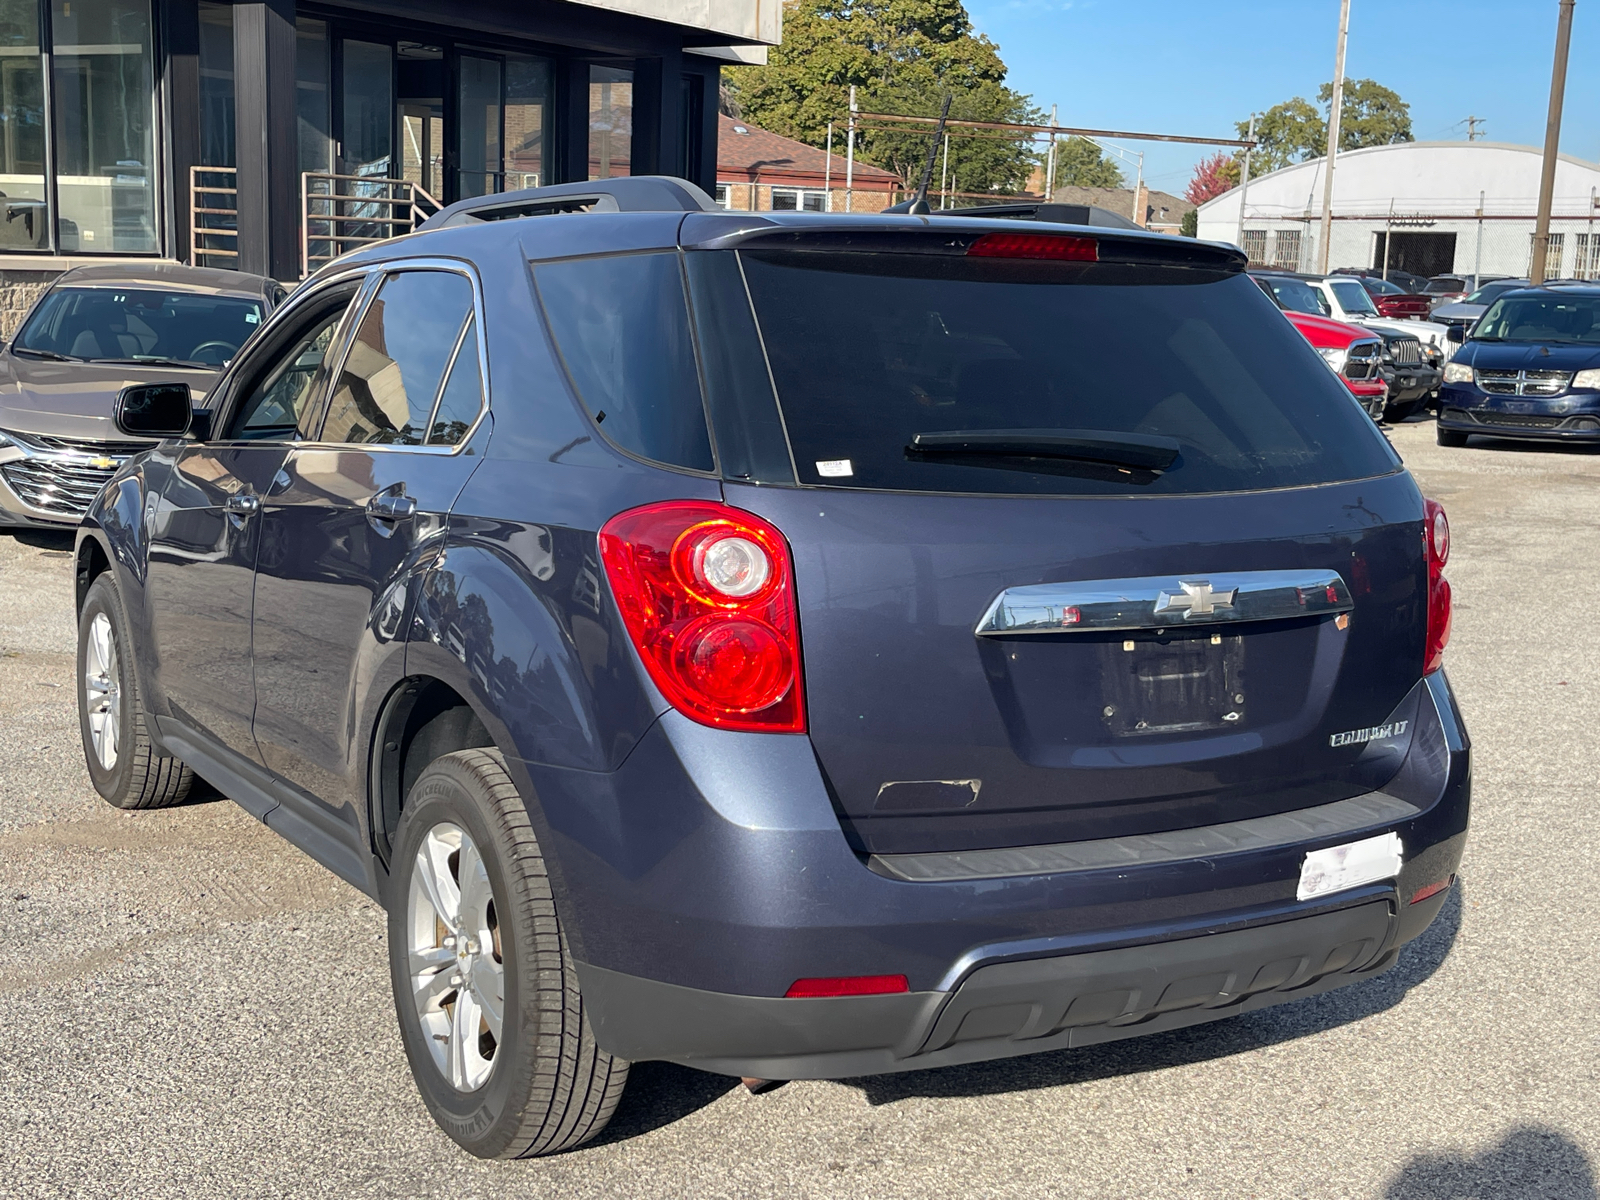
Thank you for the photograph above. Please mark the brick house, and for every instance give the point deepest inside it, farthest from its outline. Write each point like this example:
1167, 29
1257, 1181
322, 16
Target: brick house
758, 171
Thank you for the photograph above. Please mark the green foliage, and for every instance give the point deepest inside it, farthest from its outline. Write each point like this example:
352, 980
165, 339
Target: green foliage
1370, 115
1081, 163
902, 56
1189, 223
1294, 131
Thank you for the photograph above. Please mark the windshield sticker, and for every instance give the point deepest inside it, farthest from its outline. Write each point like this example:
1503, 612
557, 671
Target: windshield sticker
252, 318
835, 468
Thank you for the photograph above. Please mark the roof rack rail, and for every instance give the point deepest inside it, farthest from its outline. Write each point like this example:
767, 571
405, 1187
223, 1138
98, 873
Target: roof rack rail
637, 193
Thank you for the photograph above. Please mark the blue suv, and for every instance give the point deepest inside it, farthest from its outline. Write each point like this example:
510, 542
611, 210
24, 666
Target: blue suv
792, 645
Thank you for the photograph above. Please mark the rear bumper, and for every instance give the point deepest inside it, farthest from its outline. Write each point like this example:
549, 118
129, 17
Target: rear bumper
1006, 1008
709, 873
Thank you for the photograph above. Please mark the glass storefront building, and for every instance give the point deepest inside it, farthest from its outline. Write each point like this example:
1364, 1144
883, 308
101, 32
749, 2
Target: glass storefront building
123, 123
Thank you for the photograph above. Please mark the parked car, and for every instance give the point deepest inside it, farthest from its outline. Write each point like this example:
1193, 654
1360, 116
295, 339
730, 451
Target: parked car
1443, 289
1458, 315
1530, 369
793, 645
1383, 380
1348, 300
95, 332
1413, 284
1393, 300
1412, 376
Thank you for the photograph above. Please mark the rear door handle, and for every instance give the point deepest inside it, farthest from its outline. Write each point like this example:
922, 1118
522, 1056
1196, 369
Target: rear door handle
391, 506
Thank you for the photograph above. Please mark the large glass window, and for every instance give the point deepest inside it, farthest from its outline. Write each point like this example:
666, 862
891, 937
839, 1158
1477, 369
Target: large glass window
395, 369
479, 109
22, 193
311, 93
368, 108
527, 121
216, 85
610, 122
104, 93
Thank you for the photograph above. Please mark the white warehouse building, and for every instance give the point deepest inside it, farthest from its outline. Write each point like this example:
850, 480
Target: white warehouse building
1437, 207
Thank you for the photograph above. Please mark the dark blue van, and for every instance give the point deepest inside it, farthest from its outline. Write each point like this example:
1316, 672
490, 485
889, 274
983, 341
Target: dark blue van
1530, 368
791, 645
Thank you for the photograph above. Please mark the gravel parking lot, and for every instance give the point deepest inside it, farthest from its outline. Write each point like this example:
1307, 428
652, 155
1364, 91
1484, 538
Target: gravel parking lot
195, 1008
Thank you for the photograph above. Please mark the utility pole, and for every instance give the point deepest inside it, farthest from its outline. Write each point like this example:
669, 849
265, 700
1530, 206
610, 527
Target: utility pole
1244, 181
827, 169
1050, 162
1333, 134
1388, 239
850, 154
1552, 141
1477, 263
1472, 128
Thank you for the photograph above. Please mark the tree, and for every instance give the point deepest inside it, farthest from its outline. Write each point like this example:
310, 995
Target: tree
1212, 177
1371, 115
902, 56
1294, 131
1189, 223
1081, 163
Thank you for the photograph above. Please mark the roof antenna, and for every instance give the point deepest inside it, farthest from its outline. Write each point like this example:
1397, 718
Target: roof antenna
919, 205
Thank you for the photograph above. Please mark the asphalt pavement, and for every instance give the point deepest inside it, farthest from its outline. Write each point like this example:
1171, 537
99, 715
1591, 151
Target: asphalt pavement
191, 1007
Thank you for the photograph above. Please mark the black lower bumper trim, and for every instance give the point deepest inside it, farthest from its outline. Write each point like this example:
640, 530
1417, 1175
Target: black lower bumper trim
999, 1010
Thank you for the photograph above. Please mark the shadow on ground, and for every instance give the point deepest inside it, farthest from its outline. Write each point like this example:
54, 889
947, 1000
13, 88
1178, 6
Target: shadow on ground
1196, 1043
660, 1093
45, 539
1531, 1162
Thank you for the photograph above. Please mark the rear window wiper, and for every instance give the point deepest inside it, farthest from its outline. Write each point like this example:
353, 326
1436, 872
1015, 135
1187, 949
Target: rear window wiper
50, 354
1133, 451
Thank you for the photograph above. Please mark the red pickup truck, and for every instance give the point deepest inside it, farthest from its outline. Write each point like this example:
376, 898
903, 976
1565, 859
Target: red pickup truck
1351, 351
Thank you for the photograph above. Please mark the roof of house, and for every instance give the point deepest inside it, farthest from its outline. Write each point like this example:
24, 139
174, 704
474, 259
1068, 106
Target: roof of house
1120, 200
747, 153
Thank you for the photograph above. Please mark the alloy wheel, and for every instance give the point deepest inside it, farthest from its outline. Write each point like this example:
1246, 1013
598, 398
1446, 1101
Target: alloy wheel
454, 956
102, 696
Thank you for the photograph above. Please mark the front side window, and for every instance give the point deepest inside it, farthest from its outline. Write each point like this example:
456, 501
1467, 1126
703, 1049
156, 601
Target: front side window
1353, 297
622, 327
104, 100
280, 384
139, 325
392, 377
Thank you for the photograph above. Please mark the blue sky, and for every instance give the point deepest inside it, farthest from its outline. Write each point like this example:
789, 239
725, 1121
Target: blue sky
1197, 66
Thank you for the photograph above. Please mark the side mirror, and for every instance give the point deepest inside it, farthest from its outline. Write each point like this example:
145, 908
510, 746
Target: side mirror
154, 410
1456, 333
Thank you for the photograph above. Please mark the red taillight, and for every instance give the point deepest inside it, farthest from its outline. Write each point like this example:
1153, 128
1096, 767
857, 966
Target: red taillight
1436, 543
707, 595
1049, 246
849, 985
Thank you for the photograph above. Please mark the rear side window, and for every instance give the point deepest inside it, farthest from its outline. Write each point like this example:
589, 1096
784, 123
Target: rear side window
866, 355
395, 368
621, 325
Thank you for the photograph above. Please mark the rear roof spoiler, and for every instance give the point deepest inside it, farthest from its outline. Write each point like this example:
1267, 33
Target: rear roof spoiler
638, 193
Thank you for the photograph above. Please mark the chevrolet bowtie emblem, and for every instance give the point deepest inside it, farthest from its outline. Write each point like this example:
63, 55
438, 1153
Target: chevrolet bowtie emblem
1197, 599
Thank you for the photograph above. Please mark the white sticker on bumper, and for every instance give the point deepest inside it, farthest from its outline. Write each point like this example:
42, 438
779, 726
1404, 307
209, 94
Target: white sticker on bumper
1339, 868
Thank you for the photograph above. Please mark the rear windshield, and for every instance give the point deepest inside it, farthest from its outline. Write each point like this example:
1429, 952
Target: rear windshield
1444, 286
1296, 295
111, 324
1489, 291
866, 355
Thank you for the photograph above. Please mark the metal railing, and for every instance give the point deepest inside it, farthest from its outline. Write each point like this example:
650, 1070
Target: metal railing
341, 213
213, 217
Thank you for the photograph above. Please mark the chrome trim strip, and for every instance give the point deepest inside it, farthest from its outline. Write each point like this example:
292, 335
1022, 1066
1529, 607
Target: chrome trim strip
1164, 601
